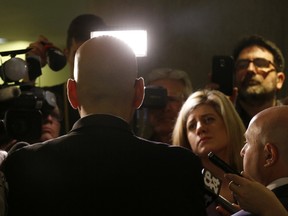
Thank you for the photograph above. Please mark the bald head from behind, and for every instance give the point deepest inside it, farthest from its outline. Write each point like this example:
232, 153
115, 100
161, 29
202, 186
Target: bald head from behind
265, 156
272, 126
106, 82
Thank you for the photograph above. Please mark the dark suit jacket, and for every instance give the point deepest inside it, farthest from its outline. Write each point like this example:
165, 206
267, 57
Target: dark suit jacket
282, 194
101, 168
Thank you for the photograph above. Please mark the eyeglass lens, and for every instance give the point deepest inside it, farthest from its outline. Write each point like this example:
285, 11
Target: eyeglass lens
258, 62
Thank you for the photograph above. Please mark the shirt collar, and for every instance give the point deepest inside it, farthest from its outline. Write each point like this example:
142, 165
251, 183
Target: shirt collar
277, 183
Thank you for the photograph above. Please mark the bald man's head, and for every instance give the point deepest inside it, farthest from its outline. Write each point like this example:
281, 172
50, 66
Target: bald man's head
271, 125
105, 71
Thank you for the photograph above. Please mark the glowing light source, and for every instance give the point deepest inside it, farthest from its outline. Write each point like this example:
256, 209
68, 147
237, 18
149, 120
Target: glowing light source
136, 39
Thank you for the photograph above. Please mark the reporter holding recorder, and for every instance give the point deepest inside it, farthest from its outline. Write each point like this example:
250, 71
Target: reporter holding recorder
265, 163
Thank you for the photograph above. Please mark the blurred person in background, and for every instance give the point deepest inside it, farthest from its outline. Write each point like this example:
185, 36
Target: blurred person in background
258, 76
159, 121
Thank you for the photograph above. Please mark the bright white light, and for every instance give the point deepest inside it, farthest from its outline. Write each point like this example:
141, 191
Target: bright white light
136, 39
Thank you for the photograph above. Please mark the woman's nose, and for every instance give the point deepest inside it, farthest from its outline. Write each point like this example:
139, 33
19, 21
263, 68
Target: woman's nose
200, 127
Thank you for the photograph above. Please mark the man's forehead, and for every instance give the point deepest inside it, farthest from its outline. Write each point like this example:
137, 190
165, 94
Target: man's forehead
255, 49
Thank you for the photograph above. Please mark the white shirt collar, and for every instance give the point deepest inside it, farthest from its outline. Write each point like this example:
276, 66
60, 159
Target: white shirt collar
277, 183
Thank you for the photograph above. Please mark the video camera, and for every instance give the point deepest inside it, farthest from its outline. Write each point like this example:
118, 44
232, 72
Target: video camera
155, 97
22, 104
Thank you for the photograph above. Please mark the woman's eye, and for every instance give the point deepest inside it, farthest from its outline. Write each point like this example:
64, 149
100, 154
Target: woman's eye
208, 119
192, 126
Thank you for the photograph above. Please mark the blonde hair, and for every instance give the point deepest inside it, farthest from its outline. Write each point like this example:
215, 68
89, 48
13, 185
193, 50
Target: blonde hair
225, 108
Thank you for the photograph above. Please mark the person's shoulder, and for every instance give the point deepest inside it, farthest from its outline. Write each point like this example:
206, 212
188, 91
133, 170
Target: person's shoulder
28, 156
160, 145
173, 153
22, 149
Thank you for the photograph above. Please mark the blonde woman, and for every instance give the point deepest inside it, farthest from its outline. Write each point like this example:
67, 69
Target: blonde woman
208, 122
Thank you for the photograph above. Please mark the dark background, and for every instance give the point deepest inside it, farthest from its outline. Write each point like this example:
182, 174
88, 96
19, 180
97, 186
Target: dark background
181, 34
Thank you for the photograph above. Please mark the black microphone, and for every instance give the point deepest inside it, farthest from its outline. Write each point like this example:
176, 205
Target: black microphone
221, 164
55, 57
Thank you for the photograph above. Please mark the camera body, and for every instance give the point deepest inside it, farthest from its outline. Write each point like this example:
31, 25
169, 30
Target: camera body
22, 104
155, 97
21, 116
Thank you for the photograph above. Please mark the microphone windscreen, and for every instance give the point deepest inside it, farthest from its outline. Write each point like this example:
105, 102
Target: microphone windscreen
14, 69
56, 59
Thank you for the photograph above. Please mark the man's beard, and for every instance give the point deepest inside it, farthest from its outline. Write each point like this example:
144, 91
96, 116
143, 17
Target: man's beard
256, 97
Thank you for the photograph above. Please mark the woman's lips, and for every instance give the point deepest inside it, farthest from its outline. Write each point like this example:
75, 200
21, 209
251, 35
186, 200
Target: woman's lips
46, 129
204, 139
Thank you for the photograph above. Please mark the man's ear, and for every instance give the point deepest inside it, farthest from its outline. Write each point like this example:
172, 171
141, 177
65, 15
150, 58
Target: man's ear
280, 80
271, 154
139, 92
72, 93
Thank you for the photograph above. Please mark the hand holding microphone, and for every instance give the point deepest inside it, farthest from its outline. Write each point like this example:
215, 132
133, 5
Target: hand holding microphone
38, 50
47, 53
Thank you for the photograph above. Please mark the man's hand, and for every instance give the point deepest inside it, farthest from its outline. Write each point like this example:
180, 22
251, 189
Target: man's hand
254, 197
39, 49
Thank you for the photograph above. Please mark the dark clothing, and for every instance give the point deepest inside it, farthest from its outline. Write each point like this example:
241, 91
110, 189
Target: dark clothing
243, 114
282, 194
101, 168
246, 118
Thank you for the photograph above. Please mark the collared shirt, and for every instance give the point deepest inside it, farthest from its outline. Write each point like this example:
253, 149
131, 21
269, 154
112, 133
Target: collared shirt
278, 183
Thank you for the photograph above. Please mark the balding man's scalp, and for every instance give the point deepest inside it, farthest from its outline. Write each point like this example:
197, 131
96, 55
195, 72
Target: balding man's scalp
105, 68
272, 124
106, 79
106, 54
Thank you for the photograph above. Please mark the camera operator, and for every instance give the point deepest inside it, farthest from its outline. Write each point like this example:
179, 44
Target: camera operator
158, 123
51, 124
19, 129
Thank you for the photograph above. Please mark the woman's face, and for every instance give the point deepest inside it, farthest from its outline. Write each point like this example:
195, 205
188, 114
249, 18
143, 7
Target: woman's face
206, 131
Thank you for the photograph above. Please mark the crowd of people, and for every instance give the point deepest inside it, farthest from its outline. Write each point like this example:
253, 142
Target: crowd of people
89, 157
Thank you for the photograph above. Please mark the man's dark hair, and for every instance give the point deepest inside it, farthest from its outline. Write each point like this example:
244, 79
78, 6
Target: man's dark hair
81, 27
261, 42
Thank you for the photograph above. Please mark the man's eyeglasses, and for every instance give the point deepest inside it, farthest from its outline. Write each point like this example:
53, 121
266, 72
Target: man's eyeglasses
258, 62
